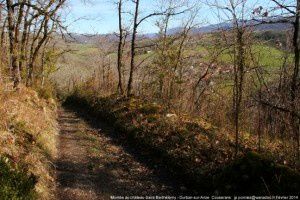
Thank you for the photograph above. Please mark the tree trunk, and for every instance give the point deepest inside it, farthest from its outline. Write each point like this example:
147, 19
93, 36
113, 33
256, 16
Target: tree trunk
23, 40
132, 61
3, 48
295, 80
238, 84
120, 49
12, 46
37, 49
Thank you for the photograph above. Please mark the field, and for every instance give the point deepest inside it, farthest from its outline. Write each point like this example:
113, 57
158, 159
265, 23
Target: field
84, 60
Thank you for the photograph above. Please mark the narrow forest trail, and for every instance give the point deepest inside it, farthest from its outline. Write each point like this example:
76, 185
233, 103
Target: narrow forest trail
92, 165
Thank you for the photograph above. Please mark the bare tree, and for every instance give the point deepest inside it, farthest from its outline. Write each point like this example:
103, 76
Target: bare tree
13, 38
235, 11
289, 13
295, 77
21, 16
123, 33
133, 45
136, 23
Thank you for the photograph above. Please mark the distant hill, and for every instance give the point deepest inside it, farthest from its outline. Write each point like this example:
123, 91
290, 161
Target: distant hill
226, 26
96, 38
90, 38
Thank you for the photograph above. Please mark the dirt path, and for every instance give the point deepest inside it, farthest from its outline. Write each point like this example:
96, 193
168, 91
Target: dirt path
91, 165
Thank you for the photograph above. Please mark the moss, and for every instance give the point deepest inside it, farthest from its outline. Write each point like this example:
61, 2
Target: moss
15, 184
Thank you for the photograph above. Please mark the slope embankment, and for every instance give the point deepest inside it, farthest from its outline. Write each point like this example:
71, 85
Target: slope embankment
28, 132
192, 150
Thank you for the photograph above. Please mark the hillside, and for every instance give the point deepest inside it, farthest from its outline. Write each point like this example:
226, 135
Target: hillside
95, 38
28, 132
193, 150
144, 100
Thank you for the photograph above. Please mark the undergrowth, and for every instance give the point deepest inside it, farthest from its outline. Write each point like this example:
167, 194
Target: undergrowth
192, 149
28, 131
15, 184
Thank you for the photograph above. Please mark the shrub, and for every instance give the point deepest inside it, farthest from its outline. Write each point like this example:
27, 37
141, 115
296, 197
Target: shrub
194, 151
255, 174
46, 92
15, 184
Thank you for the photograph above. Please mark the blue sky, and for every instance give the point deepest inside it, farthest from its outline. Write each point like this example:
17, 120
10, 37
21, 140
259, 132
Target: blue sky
100, 16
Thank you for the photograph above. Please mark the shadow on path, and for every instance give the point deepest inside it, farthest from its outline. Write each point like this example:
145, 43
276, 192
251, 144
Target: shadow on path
94, 162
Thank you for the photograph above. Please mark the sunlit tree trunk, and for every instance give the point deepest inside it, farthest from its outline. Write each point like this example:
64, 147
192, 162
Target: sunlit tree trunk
12, 44
133, 43
120, 48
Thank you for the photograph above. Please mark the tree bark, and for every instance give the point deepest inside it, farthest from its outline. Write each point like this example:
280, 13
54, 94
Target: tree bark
12, 45
120, 49
23, 40
295, 80
133, 41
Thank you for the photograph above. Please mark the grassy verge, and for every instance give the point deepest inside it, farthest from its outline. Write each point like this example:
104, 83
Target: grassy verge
28, 133
192, 149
